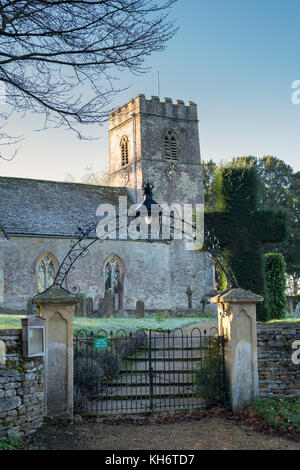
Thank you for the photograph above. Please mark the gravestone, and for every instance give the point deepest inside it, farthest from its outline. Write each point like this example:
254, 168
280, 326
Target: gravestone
189, 293
297, 311
101, 308
2, 353
140, 309
89, 307
109, 303
116, 302
80, 308
31, 309
118, 297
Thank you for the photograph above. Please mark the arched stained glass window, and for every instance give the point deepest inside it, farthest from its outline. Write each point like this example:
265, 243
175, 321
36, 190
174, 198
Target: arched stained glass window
112, 275
45, 273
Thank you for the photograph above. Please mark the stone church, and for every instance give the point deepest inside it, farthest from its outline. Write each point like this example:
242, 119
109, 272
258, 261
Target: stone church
149, 140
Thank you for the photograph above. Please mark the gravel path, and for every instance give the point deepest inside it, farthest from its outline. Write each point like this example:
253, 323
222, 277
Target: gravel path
205, 325
208, 433
205, 434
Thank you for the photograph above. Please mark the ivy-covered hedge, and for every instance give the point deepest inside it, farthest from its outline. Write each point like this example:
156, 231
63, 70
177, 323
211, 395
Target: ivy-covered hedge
242, 229
275, 275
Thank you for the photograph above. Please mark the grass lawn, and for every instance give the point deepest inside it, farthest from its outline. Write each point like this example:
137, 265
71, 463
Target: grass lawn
8, 322
134, 324
112, 324
285, 320
280, 413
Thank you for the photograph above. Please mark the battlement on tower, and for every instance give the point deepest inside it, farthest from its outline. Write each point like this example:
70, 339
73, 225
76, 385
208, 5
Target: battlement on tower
165, 108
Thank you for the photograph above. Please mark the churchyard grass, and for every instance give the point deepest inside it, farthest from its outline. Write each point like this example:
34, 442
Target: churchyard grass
113, 324
288, 319
14, 443
8, 322
280, 413
134, 324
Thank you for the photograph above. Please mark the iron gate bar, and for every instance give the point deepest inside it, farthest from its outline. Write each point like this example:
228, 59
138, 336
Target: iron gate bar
153, 371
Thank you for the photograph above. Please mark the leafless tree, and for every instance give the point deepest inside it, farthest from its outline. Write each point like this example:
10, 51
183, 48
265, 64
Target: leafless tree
59, 58
92, 176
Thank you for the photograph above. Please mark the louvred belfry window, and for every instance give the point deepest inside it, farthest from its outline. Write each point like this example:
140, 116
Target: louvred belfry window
124, 151
170, 143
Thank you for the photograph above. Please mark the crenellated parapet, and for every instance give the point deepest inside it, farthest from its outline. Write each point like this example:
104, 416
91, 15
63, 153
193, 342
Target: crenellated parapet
165, 109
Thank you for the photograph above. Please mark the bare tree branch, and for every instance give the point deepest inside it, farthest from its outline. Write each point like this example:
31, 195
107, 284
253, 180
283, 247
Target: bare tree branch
59, 58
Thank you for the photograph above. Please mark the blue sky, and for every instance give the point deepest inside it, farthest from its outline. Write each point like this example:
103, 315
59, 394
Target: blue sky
236, 59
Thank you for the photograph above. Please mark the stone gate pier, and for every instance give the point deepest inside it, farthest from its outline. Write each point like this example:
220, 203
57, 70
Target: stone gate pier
237, 323
57, 307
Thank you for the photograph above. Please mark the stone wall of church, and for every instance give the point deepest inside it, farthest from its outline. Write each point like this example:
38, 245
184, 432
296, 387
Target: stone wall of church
21, 257
157, 273
146, 270
189, 268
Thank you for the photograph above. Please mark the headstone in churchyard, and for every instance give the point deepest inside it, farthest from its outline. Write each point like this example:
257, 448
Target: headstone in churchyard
140, 309
189, 293
109, 303
31, 309
297, 310
118, 297
2, 353
116, 302
80, 308
101, 308
89, 307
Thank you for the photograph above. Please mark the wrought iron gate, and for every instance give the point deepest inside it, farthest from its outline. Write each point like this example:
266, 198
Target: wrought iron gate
147, 370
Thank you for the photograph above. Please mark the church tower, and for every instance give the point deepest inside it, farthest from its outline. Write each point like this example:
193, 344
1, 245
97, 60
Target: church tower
157, 141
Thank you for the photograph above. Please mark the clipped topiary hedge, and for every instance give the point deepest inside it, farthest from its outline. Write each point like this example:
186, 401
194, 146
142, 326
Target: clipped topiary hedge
275, 275
243, 229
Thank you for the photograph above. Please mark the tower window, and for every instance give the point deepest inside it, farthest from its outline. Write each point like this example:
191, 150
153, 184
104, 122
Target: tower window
124, 151
170, 143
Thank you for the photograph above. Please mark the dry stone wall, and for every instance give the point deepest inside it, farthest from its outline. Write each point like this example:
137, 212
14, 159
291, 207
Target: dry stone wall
278, 375
21, 388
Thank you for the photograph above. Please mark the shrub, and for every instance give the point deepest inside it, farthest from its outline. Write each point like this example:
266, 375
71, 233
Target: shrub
210, 377
89, 374
93, 367
280, 413
275, 275
160, 316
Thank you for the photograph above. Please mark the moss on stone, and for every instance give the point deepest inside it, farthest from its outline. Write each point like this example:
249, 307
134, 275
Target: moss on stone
11, 364
6, 423
12, 349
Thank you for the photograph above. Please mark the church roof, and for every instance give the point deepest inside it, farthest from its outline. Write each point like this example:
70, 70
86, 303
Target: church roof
51, 208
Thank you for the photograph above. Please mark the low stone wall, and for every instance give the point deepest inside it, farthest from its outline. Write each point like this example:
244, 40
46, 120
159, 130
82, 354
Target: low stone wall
278, 376
21, 388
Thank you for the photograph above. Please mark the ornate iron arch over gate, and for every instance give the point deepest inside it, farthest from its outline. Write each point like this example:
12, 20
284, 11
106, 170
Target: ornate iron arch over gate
85, 237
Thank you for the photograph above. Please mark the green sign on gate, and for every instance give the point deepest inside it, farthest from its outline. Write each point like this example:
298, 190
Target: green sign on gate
100, 343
